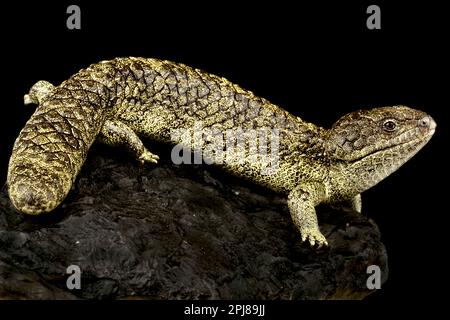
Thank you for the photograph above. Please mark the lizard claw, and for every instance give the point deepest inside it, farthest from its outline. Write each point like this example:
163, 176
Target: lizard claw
314, 237
303, 237
147, 156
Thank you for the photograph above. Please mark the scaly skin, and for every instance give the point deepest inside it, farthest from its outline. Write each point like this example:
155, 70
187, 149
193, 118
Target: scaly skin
116, 101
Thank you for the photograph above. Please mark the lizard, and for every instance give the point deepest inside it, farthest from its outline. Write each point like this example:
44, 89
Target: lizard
122, 100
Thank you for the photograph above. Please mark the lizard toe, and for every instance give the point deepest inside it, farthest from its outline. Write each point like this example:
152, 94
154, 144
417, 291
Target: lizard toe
314, 237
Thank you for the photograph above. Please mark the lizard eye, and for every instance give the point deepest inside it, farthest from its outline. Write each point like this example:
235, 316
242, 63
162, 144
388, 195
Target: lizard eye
389, 125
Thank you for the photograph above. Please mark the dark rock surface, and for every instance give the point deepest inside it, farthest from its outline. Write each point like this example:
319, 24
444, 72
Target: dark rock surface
171, 232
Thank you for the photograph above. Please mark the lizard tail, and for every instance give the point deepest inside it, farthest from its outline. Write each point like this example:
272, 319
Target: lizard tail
50, 150
36, 186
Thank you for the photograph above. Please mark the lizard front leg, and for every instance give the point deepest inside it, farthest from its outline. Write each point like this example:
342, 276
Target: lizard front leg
301, 202
351, 205
116, 133
356, 203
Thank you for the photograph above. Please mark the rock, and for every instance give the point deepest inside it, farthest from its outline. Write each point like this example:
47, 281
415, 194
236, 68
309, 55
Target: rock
179, 232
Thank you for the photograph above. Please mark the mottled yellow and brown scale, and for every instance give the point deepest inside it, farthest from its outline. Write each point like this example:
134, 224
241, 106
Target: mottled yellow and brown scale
119, 100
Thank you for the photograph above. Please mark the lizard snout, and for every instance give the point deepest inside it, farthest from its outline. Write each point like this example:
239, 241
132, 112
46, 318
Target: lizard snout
427, 125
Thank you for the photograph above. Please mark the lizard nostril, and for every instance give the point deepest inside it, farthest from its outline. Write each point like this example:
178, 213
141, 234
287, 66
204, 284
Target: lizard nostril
424, 122
427, 123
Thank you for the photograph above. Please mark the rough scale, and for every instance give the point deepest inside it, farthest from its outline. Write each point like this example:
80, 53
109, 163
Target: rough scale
120, 100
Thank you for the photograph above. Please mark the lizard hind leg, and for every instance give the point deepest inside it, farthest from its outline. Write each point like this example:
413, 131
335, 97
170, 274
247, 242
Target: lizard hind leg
116, 133
38, 92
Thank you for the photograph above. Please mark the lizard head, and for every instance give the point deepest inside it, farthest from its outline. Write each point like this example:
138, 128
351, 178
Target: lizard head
374, 143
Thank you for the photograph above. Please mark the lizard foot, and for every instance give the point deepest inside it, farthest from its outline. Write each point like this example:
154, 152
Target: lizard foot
147, 156
314, 236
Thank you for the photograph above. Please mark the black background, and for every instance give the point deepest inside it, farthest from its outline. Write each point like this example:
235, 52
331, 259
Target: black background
318, 61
